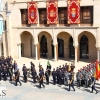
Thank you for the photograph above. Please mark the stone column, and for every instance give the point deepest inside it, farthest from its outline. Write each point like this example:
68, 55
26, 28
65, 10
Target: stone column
98, 54
55, 52
36, 48
19, 51
76, 47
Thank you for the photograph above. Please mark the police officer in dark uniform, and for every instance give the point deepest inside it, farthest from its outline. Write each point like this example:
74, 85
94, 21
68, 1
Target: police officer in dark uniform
41, 75
10, 72
25, 74
5, 73
57, 71
47, 76
34, 74
54, 75
71, 82
17, 75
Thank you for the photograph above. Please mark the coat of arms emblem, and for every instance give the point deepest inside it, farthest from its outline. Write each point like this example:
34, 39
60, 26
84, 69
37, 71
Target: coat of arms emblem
32, 14
52, 13
73, 12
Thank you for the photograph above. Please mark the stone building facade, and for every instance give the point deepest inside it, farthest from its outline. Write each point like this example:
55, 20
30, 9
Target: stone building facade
61, 41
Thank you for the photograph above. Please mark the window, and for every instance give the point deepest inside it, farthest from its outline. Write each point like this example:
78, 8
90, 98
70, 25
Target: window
24, 16
87, 15
62, 13
42, 16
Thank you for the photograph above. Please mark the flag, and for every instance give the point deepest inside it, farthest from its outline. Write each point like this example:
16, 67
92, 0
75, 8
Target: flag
97, 70
52, 12
48, 63
73, 11
32, 13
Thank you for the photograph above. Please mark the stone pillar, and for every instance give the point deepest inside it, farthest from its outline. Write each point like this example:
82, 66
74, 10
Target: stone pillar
55, 52
98, 54
36, 48
19, 51
76, 48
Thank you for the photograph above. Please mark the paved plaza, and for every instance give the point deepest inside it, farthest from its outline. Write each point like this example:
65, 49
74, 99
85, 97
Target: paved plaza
30, 91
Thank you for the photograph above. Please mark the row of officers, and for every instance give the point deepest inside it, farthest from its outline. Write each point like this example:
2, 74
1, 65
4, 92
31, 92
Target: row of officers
61, 75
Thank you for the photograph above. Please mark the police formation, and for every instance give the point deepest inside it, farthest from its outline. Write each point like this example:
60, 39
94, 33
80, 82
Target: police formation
62, 75
86, 77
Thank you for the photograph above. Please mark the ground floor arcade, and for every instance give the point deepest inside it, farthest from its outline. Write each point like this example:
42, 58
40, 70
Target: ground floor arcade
64, 49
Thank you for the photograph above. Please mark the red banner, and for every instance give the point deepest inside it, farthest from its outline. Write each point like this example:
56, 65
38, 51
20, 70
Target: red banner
52, 12
73, 11
32, 13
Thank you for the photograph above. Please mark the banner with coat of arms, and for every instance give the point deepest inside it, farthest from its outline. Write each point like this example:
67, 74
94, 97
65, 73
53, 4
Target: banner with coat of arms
73, 11
32, 13
52, 12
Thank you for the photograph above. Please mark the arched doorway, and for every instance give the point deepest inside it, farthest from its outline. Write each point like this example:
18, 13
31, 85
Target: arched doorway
63, 45
60, 47
84, 52
27, 46
71, 48
43, 47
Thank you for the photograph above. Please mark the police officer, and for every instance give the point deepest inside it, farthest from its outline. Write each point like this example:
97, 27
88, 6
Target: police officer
71, 82
47, 76
25, 74
41, 75
17, 75
54, 75
34, 74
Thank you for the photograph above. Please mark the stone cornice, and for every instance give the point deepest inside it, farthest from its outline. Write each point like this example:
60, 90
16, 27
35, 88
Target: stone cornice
55, 27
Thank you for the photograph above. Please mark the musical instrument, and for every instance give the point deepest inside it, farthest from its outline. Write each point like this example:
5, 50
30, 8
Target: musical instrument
28, 70
13, 78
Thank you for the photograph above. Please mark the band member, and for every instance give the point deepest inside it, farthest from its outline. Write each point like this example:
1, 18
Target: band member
54, 75
5, 73
34, 74
41, 75
10, 73
93, 84
25, 74
47, 76
71, 82
17, 75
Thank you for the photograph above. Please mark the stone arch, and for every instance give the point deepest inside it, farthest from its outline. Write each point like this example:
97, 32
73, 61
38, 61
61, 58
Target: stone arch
27, 46
64, 37
90, 46
49, 43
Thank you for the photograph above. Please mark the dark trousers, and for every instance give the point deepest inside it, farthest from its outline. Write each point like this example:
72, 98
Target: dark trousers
57, 79
93, 88
25, 78
78, 83
10, 77
5, 77
54, 80
34, 79
17, 82
71, 85
41, 83
47, 80
0, 76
